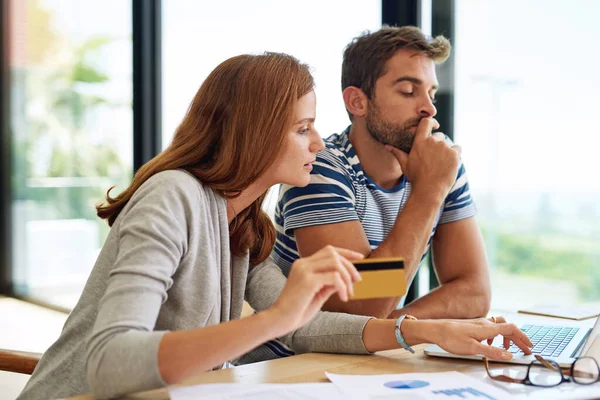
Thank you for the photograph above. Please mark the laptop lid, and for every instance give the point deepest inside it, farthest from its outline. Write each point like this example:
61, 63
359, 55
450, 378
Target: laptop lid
591, 347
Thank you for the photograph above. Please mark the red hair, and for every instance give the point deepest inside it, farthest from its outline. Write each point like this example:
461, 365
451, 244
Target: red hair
230, 136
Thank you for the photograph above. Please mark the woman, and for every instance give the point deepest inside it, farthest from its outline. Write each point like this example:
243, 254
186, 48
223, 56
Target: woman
189, 241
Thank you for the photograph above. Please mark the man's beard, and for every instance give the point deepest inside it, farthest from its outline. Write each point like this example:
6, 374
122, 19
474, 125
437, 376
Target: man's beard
397, 135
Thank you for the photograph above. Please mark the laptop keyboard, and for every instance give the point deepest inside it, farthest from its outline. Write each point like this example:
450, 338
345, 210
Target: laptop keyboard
548, 340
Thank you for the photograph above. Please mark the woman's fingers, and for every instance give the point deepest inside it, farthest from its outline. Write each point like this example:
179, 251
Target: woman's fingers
345, 268
322, 296
491, 340
331, 279
336, 263
345, 265
330, 259
330, 250
476, 337
351, 270
349, 254
525, 345
312, 280
518, 337
495, 353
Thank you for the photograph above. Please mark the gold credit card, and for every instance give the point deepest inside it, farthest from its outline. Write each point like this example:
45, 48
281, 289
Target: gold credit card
381, 277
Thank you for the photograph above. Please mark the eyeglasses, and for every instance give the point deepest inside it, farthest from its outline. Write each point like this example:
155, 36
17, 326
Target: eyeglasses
541, 372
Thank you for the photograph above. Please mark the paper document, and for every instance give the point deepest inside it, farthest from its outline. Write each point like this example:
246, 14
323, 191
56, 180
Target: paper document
575, 312
259, 391
439, 386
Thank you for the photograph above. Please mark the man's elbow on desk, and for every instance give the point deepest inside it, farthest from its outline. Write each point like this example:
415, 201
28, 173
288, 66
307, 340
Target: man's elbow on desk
479, 304
486, 304
474, 300
478, 296
453, 300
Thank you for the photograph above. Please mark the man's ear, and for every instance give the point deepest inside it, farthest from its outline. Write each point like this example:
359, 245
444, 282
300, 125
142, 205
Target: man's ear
356, 101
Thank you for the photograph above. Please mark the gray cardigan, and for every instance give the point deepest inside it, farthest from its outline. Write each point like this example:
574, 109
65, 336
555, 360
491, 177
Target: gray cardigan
166, 266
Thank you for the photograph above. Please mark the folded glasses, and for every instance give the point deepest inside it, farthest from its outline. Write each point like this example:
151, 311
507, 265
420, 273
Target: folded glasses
546, 373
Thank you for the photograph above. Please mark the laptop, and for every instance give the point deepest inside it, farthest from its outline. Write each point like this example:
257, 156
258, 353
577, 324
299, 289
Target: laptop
554, 339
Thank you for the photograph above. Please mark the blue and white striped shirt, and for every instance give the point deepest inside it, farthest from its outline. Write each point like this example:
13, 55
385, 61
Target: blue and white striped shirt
340, 191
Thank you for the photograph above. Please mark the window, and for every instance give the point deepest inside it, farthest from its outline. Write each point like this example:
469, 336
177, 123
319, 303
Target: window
526, 99
71, 125
197, 36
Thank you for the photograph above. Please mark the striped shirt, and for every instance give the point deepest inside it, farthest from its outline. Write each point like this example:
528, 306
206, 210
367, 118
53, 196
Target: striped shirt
340, 191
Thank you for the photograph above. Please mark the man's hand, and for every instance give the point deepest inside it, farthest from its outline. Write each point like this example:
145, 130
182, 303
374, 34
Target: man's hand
432, 164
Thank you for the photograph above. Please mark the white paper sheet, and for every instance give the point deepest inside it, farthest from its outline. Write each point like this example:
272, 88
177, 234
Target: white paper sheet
439, 385
263, 391
444, 385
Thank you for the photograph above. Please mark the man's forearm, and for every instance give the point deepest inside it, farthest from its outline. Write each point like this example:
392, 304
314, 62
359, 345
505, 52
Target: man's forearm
455, 299
407, 239
411, 232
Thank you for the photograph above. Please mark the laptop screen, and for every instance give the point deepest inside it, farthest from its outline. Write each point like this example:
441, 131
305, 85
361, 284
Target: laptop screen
591, 347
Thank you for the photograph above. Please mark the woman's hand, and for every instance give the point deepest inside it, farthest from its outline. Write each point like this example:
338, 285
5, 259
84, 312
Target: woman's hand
466, 336
312, 280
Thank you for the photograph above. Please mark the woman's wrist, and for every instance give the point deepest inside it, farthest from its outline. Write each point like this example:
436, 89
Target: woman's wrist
380, 334
279, 321
272, 321
417, 331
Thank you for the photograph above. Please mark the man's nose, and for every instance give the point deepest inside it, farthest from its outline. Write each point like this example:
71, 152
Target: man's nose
427, 109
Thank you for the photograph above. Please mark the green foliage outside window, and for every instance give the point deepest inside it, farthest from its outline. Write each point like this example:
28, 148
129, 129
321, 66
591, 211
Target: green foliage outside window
555, 256
60, 167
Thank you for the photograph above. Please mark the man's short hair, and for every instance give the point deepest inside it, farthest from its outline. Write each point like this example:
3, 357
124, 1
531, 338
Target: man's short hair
365, 57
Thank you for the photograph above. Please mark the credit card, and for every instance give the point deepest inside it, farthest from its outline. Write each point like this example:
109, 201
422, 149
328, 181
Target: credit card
381, 277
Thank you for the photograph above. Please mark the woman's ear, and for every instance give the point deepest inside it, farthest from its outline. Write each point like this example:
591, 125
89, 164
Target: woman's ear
356, 101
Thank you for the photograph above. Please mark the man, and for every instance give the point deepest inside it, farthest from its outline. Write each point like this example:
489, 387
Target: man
389, 202
389, 187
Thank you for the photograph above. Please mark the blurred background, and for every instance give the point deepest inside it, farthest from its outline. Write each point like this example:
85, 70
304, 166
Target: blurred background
90, 90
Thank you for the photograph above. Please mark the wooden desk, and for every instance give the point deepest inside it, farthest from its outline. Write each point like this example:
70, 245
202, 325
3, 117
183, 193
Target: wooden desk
311, 367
